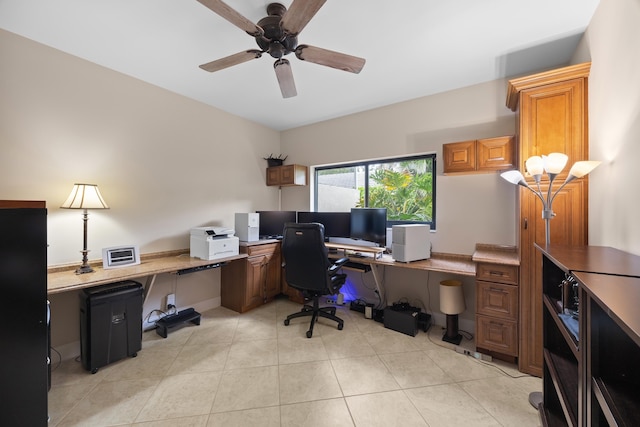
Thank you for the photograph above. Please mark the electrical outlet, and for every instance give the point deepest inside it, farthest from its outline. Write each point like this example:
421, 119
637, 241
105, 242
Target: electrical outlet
171, 301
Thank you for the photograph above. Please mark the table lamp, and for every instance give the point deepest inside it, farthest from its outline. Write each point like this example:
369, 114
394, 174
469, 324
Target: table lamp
85, 196
452, 304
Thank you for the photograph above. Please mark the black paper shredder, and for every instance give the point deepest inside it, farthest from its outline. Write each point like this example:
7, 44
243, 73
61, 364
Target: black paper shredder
110, 323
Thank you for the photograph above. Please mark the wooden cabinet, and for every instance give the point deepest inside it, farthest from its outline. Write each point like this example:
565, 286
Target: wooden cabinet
552, 117
251, 282
592, 344
287, 175
481, 155
497, 309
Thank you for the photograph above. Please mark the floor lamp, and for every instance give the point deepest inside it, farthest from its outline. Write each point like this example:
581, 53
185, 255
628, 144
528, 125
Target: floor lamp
85, 196
552, 164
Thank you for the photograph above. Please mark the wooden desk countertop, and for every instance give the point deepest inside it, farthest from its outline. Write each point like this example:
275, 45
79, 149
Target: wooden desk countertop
62, 279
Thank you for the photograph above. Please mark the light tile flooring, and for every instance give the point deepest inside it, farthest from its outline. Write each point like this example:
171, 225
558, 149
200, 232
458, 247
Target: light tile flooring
251, 370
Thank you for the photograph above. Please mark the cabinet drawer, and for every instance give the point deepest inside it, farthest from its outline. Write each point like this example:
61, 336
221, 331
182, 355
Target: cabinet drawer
497, 273
496, 299
497, 335
266, 249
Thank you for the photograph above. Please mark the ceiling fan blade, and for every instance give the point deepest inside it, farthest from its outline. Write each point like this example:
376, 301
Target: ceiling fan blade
299, 14
330, 58
285, 78
231, 15
231, 60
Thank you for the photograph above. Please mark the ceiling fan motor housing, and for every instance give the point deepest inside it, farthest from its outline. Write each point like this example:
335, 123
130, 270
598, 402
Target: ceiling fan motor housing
275, 41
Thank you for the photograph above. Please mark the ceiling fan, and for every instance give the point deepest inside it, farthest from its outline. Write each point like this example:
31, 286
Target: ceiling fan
277, 35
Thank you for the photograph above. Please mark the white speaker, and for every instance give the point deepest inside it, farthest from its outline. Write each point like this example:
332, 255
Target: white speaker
411, 242
247, 226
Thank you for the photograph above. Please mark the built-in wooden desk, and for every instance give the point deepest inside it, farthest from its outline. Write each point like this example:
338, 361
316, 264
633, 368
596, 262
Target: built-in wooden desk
63, 278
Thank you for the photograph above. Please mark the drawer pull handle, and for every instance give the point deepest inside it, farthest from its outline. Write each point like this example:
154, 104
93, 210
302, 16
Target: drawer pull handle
502, 291
496, 273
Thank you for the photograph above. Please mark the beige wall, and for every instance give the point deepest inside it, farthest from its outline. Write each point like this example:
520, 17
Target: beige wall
164, 164
613, 41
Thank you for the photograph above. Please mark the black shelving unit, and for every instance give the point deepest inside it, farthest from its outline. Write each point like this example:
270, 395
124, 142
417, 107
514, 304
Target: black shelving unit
613, 349
592, 377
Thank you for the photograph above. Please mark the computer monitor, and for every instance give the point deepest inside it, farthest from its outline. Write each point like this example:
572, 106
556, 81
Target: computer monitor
369, 224
336, 224
272, 223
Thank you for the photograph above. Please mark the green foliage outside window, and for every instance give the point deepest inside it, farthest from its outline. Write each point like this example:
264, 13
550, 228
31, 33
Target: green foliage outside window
405, 188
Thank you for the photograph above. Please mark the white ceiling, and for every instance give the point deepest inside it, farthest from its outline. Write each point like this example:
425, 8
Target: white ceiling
413, 48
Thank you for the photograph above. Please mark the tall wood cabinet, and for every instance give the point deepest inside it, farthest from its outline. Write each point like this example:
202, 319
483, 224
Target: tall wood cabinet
251, 282
552, 117
23, 282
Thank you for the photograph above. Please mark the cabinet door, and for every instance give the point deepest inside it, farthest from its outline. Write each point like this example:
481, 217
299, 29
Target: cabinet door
459, 156
553, 120
273, 271
23, 279
273, 175
567, 227
494, 154
256, 273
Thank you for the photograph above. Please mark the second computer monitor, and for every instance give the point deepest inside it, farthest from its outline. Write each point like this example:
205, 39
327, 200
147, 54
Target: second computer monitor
336, 224
272, 223
369, 224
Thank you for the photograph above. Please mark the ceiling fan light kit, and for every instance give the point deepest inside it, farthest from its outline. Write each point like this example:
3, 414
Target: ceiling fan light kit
277, 35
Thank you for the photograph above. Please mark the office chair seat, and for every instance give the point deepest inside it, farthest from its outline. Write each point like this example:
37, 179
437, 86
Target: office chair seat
308, 269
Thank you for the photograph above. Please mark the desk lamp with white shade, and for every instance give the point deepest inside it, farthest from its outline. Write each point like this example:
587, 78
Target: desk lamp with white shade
85, 196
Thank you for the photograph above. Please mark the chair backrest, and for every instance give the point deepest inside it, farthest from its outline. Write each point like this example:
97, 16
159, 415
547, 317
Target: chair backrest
306, 257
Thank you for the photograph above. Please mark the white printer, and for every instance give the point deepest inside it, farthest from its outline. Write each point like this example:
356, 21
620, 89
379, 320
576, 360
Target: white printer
213, 242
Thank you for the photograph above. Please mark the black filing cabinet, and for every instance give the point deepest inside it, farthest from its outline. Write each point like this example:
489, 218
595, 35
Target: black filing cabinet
110, 323
23, 337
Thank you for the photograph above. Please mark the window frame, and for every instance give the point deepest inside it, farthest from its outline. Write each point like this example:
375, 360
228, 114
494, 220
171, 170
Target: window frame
366, 164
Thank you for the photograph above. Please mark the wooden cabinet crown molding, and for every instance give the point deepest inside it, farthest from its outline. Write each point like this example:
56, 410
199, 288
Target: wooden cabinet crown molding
515, 86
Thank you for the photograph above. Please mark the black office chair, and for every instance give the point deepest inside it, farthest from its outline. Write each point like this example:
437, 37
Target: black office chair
308, 269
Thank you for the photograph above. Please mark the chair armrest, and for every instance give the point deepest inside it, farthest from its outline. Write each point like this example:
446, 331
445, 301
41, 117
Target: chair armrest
337, 264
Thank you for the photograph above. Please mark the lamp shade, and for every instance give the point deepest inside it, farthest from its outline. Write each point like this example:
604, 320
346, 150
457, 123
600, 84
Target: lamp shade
85, 196
285, 78
580, 169
451, 297
535, 165
514, 176
554, 162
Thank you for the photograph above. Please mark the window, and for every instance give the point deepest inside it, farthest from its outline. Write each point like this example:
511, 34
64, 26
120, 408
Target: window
405, 186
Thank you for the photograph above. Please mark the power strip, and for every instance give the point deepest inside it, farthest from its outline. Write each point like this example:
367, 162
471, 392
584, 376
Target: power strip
474, 354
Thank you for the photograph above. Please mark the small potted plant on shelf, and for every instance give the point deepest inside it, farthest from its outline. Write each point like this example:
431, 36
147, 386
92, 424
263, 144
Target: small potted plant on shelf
275, 161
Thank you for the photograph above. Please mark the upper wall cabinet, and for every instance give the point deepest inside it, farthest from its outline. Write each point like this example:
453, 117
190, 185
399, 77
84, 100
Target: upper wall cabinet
481, 155
287, 175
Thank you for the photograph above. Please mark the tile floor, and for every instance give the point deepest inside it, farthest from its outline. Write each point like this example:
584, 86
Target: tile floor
251, 370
